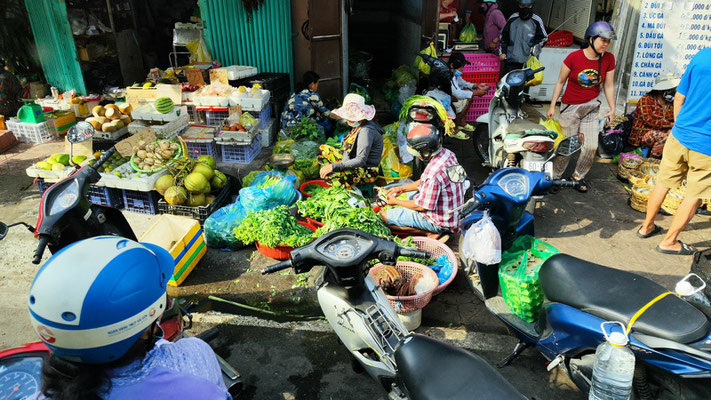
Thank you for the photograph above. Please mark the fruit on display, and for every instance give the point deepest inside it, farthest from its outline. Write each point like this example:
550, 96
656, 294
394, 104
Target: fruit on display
76, 100
112, 163
209, 160
154, 156
98, 111
218, 181
112, 113
176, 195
148, 84
163, 183
205, 170
125, 108
196, 182
58, 161
163, 105
234, 128
187, 183
111, 117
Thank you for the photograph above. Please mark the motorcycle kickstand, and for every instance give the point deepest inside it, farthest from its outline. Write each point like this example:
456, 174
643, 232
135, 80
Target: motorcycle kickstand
520, 347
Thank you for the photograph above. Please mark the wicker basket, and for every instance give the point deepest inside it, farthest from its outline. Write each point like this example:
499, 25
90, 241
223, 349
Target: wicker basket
636, 177
408, 304
640, 196
436, 248
627, 165
650, 166
673, 200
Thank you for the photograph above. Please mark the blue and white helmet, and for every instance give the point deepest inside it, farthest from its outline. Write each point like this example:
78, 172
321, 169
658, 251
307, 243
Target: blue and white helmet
92, 300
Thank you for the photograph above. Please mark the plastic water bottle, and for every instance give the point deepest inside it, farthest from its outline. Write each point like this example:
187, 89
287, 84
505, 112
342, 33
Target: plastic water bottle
614, 367
691, 294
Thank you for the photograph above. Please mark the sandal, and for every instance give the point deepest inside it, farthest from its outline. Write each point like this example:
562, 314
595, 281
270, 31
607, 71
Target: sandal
461, 136
654, 231
468, 128
685, 250
583, 187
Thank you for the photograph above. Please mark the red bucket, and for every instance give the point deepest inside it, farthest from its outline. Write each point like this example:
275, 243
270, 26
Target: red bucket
304, 185
280, 252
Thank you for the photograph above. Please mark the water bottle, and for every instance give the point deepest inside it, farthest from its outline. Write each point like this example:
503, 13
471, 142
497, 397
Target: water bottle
614, 367
693, 295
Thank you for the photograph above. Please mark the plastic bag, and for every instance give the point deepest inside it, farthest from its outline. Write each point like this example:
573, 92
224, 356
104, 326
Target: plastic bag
219, 227
358, 89
612, 141
420, 64
198, 51
390, 163
268, 190
553, 125
283, 146
305, 149
468, 33
534, 63
402, 75
482, 242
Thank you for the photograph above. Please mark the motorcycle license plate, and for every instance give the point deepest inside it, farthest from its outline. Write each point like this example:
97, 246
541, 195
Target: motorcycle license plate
538, 166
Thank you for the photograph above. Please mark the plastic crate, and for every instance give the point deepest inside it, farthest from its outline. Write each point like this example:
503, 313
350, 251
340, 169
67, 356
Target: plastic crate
141, 202
105, 196
197, 213
43, 186
278, 83
196, 117
241, 154
479, 107
201, 148
216, 116
33, 133
560, 39
490, 78
264, 117
482, 62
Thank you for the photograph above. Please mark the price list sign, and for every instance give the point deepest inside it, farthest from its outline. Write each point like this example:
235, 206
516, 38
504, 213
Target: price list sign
670, 33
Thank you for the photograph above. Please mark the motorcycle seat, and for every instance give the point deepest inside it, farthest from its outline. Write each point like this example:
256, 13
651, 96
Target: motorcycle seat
615, 295
432, 370
526, 128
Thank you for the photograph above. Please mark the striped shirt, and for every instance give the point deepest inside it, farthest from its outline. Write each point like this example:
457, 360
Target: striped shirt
438, 195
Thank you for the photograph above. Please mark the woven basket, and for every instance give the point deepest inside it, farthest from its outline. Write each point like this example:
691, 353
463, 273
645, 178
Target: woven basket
631, 162
650, 166
436, 248
408, 304
673, 200
636, 176
640, 196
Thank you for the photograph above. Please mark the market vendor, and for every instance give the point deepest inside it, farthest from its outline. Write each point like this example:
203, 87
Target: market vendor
307, 103
432, 200
358, 163
463, 92
10, 92
654, 116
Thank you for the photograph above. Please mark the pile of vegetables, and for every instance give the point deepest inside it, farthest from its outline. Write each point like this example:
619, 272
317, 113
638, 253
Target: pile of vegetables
112, 163
306, 129
332, 198
363, 219
313, 190
273, 228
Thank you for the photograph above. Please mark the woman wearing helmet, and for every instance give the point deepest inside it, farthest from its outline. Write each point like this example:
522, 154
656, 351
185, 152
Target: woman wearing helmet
96, 305
432, 199
590, 68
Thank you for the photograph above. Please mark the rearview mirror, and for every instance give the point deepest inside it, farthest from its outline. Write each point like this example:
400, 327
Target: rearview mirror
80, 132
3, 230
456, 174
569, 146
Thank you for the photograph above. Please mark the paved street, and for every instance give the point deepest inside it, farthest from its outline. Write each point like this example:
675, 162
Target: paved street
303, 360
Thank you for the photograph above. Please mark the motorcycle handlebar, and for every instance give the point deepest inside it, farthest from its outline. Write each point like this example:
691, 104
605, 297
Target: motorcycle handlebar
104, 157
40, 250
277, 267
566, 183
408, 252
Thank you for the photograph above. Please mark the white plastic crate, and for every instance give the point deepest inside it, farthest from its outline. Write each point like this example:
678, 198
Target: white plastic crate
235, 72
268, 134
165, 131
149, 113
33, 133
241, 138
111, 135
143, 184
250, 102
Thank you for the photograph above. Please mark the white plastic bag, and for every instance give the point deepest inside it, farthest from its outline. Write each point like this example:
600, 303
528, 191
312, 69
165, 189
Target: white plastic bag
482, 242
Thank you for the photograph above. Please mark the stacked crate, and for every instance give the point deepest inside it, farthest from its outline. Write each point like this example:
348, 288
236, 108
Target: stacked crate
483, 68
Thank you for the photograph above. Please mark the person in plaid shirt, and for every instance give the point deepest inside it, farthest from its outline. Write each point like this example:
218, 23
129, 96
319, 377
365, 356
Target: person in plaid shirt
431, 201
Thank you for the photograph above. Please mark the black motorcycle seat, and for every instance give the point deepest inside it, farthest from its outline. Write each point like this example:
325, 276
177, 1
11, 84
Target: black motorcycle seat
432, 370
615, 295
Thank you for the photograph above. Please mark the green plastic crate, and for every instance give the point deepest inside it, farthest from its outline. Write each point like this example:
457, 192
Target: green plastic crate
519, 279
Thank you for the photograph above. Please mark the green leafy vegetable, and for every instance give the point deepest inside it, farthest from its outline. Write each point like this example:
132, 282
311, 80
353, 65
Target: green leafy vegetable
364, 219
333, 198
334, 142
272, 228
313, 189
411, 244
307, 129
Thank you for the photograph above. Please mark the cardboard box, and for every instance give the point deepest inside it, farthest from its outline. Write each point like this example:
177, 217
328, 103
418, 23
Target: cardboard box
140, 96
7, 140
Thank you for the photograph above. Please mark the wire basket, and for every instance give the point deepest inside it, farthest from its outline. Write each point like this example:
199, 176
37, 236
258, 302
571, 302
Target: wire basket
408, 304
436, 248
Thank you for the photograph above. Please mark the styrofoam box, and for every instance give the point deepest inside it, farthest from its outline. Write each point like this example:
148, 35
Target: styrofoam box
235, 72
52, 176
267, 134
211, 101
169, 130
149, 113
250, 102
237, 138
140, 184
111, 135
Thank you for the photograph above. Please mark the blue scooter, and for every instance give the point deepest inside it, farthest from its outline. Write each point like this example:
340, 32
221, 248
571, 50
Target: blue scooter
671, 340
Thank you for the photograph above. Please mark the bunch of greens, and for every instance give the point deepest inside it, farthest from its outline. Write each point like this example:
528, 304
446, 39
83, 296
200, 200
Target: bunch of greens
272, 228
247, 180
313, 189
308, 166
332, 198
305, 129
411, 244
334, 142
363, 219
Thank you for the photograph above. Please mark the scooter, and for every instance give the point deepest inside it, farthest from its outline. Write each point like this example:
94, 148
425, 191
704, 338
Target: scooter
504, 138
406, 365
65, 213
671, 340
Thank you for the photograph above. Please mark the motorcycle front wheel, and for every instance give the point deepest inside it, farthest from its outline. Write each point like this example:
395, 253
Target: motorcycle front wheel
481, 142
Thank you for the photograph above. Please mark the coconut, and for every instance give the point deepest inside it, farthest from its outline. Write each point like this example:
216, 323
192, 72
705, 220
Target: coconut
207, 189
205, 170
163, 183
209, 160
218, 181
196, 199
196, 182
176, 195
209, 199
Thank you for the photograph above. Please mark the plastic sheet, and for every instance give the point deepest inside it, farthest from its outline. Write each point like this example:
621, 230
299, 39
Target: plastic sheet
219, 227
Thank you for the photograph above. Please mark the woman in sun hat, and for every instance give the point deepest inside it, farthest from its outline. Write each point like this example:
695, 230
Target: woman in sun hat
358, 163
654, 116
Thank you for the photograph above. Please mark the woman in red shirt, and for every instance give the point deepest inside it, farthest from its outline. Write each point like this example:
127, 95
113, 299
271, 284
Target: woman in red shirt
654, 116
585, 71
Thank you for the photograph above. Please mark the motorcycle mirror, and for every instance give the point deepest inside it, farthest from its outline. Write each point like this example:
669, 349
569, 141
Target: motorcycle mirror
569, 146
80, 132
3, 230
457, 174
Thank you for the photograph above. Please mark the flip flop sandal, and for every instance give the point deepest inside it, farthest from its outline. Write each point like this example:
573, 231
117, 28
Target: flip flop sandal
468, 128
685, 250
583, 188
461, 136
654, 231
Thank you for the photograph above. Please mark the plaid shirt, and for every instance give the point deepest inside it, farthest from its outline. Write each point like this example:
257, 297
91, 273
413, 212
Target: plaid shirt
437, 194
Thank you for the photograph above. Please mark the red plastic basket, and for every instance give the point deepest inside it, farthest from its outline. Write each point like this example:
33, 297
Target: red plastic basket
317, 182
408, 304
479, 107
482, 62
560, 39
280, 252
490, 78
436, 248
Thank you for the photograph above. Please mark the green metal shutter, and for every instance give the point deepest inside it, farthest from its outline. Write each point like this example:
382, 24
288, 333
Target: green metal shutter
55, 44
264, 42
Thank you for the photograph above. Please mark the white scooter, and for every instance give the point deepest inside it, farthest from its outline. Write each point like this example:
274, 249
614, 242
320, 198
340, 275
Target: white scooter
407, 365
505, 138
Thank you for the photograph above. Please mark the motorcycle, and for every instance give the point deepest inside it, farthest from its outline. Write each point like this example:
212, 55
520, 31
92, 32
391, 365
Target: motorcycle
504, 137
671, 340
406, 365
65, 213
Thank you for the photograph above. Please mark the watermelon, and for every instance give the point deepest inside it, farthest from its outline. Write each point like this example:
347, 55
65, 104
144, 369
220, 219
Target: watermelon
163, 105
